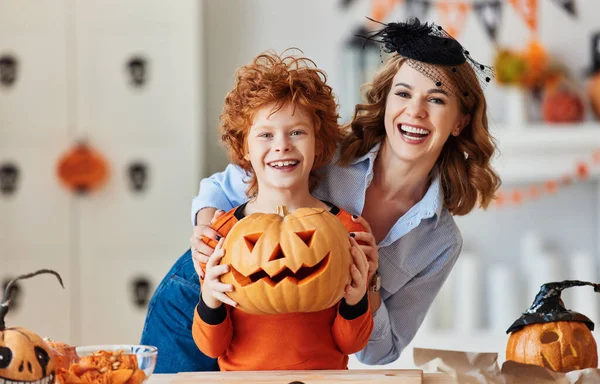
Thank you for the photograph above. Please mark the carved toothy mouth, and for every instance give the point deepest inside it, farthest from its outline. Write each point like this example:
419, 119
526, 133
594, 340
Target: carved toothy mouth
304, 274
46, 380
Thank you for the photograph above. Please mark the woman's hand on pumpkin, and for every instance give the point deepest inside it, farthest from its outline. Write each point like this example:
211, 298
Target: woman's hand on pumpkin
370, 247
213, 290
200, 250
357, 288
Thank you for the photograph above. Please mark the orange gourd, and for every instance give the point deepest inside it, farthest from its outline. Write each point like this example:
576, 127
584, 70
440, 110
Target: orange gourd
24, 356
82, 169
562, 105
287, 262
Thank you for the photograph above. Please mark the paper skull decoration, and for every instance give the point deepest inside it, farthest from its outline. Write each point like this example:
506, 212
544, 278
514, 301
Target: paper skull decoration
9, 177
287, 262
24, 356
551, 336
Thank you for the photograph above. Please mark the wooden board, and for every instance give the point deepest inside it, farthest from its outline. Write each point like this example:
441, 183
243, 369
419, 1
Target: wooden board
404, 376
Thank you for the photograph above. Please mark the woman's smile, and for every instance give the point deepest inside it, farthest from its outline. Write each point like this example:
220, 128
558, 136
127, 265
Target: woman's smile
413, 134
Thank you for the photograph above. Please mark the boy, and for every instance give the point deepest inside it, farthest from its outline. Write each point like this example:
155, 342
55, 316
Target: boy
279, 123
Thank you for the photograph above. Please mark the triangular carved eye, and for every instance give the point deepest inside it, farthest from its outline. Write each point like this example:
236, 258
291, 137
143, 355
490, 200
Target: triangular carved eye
251, 240
306, 236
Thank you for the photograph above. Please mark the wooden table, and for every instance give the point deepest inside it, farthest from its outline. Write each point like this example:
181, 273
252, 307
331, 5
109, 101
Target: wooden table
351, 376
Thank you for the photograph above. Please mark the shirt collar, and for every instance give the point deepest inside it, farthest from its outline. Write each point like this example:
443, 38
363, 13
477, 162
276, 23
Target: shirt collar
432, 202
371, 155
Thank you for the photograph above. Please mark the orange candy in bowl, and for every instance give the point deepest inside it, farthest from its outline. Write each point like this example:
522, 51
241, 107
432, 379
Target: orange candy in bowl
106, 364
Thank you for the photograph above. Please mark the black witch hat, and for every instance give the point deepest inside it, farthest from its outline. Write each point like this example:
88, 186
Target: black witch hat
548, 307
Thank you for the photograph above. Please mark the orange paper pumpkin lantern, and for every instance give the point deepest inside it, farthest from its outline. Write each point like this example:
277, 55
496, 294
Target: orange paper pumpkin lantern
281, 263
24, 356
551, 336
82, 169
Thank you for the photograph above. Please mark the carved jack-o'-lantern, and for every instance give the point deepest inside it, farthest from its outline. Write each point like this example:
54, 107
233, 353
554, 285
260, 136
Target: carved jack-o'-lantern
281, 263
560, 346
551, 336
24, 356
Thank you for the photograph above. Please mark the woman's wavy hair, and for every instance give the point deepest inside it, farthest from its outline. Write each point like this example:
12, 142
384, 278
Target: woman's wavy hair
271, 78
464, 164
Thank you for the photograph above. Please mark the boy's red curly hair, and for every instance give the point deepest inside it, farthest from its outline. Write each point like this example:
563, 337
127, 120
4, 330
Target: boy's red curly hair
271, 78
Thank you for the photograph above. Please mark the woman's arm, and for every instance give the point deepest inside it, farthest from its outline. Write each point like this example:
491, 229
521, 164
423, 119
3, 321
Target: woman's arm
398, 318
223, 190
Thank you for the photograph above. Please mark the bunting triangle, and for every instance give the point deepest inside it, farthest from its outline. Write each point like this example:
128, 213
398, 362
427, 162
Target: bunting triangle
417, 8
527, 9
381, 9
347, 3
490, 14
567, 5
454, 16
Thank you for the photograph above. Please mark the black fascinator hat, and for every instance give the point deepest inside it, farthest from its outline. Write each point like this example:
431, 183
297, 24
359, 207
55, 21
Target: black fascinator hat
425, 46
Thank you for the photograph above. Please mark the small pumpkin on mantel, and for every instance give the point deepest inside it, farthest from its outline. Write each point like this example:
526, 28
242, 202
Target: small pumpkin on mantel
24, 356
287, 262
551, 336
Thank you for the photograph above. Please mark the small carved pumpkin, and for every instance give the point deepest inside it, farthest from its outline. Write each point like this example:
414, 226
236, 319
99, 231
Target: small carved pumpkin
24, 356
281, 263
551, 336
82, 169
561, 346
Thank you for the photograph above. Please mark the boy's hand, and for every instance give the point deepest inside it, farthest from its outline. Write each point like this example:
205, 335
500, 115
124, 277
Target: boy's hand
358, 273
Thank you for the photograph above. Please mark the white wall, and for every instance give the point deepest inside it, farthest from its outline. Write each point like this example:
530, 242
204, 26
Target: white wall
237, 30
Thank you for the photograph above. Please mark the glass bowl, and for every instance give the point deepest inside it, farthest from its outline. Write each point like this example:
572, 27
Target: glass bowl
120, 354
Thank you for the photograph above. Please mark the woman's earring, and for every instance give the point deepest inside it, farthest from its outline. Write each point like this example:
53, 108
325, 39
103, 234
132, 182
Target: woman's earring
456, 133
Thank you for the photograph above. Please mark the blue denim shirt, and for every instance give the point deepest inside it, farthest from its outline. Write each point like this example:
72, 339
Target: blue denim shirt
415, 257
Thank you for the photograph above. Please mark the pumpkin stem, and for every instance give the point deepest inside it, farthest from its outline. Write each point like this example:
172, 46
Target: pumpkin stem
7, 292
282, 210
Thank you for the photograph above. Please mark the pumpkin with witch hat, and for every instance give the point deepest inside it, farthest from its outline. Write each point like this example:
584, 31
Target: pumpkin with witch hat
551, 336
24, 356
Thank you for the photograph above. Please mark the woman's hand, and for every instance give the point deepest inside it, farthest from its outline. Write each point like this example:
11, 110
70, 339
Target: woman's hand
213, 291
358, 272
200, 250
370, 248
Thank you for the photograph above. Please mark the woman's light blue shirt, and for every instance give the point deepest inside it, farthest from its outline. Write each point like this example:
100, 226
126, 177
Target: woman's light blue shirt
415, 257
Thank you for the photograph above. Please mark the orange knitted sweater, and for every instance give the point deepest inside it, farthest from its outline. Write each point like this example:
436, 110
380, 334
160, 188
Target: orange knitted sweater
313, 340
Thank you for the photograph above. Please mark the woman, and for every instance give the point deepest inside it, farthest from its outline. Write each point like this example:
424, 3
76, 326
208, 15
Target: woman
416, 153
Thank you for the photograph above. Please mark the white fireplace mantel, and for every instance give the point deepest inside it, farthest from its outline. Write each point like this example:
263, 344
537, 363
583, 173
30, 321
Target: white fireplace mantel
540, 152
